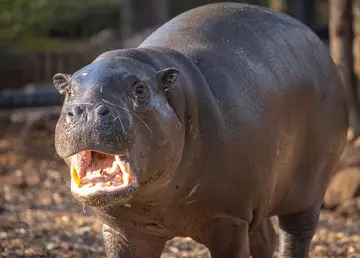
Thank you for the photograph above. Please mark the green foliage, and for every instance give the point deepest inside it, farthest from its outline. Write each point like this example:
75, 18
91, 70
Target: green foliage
20, 19
23, 18
26, 23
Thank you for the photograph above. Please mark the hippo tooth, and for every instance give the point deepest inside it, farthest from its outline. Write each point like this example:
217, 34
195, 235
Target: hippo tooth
75, 176
125, 169
114, 166
109, 183
126, 173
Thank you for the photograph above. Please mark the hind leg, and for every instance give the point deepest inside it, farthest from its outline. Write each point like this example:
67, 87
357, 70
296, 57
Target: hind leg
296, 232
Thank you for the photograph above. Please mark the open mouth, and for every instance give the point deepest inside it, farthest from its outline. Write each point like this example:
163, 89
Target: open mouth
99, 173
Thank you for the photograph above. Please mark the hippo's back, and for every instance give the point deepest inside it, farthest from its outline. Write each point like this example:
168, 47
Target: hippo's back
236, 30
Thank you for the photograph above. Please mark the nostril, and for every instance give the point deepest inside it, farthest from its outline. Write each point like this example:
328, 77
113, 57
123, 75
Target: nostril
74, 112
103, 111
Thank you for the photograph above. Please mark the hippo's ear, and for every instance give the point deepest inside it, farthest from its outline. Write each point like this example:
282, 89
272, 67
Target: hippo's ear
61, 82
168, 77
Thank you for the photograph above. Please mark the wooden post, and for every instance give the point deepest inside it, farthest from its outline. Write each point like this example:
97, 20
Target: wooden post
341, 46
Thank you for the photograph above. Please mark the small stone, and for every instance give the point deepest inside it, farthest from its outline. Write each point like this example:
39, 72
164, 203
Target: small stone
84, 229
80, 222
320, 248
33, 180
58, 198
18, 173
65, 219
21, 230
30, 251
47, 184
46, 200
9, 194
54, 174
351, 249
50, 246
3, 235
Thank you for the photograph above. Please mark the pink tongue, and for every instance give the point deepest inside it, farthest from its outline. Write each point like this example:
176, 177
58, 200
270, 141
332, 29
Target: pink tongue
98, 164
88, 161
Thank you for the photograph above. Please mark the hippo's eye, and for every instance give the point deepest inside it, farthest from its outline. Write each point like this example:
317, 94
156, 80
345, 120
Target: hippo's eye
140, 90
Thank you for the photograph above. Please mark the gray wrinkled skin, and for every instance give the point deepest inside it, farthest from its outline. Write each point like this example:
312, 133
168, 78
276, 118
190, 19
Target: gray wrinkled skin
248, 122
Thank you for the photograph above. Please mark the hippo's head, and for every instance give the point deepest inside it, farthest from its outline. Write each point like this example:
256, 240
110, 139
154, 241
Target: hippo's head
117, 130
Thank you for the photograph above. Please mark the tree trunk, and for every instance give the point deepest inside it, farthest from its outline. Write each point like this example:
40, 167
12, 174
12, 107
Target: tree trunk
302, 10
356, 55
126, 22
161, 8
278, 5
341, 46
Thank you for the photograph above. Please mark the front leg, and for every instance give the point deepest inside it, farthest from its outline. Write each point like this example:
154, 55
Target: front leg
263, 240
127, 243
228, 237
296, 232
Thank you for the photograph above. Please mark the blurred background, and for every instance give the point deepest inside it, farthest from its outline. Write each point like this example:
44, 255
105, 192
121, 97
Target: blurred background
38, 38
41, 37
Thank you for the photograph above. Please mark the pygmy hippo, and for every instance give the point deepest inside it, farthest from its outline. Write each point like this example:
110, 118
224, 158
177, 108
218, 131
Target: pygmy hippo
223, 117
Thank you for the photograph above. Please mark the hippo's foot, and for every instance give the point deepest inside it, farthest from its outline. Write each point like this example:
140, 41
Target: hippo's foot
296, 232
125, 243
228, 237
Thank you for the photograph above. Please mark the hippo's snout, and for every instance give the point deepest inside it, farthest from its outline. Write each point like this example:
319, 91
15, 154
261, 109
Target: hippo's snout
93, 127
78, 114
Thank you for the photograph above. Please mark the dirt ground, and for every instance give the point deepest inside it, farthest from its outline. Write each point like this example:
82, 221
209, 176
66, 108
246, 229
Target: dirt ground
39, 218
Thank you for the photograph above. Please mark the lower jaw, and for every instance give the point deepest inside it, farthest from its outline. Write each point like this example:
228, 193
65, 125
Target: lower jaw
105, 198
